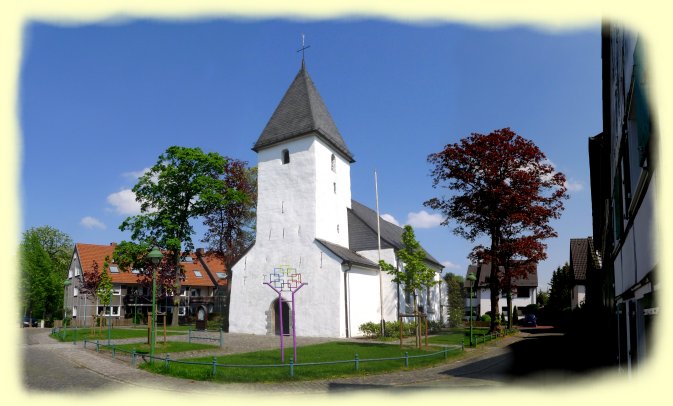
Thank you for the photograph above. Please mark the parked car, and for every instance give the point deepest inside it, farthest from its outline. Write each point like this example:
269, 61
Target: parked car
29, 322
530, 320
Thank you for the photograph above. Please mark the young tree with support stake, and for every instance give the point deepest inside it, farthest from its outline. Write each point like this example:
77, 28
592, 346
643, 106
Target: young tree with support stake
415, 273
504, 189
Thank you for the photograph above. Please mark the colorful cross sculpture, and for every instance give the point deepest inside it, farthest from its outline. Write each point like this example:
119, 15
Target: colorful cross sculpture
285, 279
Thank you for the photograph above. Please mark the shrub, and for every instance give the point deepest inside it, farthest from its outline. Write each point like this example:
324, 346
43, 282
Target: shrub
434, 327
371, 329
486, 317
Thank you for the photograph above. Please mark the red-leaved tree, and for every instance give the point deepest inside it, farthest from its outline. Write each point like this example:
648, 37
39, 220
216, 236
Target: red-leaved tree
504, 189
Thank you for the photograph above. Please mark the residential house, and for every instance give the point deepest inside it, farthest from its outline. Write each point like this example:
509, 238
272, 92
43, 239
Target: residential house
131, 290
585, 273
524, 290
624, 176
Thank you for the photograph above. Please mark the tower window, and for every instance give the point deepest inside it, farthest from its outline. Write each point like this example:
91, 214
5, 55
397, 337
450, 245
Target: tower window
286, 156
333, 163
334, 187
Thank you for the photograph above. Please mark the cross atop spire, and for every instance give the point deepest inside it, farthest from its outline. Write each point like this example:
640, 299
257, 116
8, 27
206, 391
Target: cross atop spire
303, 47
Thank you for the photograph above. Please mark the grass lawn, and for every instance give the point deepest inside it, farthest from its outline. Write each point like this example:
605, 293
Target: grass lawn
327, 352
96, 334
457, 336
160, 347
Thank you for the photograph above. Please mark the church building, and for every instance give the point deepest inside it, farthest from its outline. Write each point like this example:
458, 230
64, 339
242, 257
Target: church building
310, 230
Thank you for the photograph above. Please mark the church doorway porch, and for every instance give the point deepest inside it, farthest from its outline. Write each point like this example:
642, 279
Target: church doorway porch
276, 317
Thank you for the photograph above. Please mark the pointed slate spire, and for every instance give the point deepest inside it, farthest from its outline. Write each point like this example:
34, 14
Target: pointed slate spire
300, 112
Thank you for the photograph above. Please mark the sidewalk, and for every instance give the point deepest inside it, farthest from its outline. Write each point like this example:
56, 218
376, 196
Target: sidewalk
121, 371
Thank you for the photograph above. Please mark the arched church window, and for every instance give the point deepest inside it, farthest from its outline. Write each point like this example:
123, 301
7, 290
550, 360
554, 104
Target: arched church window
333, 163
286, 156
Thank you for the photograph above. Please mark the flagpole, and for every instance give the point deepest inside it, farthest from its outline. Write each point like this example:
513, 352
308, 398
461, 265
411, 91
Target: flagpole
378, 233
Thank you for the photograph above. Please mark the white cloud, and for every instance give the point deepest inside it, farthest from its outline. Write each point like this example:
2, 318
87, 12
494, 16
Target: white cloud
423, 219
574, 186
450, 265
124, 202
389, 218
135, 174
92, 222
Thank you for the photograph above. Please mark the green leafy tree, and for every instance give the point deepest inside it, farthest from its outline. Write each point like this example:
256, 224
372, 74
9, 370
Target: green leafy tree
104, 289
456, 295
559, 290
542, 298
44, 257
184, 184
415, 273
503, 188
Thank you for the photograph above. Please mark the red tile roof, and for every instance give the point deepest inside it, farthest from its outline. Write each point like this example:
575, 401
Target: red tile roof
87, 253
215, 264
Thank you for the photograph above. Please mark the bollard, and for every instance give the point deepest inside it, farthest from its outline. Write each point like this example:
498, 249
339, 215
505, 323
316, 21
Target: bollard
214, 366
168, 356
133, 357
357, 362
113, 351
292, 367
190, 335
221, 338
406, 359
85, 343
97, 346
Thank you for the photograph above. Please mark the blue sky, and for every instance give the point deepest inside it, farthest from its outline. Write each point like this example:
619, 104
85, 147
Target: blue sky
98, 103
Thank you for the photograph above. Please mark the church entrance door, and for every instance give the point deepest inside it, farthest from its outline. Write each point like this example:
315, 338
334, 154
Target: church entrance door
286, 317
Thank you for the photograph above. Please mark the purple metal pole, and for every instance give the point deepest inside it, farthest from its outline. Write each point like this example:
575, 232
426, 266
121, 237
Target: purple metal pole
280, 312
294, 330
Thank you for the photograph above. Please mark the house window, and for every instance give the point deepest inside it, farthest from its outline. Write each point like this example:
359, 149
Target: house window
183, 291
114, 269
198, 274
196, 292
286, 156
523, 292
334, 187
74, 312
116, 290
105, 310
75, 291
77, 271
182, 311
221, 275
333, 163
135, 271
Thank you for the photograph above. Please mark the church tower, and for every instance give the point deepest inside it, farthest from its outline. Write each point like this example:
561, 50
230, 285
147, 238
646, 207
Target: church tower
304, 195
303, 171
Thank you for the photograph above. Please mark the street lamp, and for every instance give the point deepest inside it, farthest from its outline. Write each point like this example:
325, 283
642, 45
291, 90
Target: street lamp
66, 283
155, 256
471, 277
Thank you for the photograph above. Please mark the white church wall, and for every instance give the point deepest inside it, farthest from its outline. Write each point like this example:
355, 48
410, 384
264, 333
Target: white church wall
390, 296
286, 193
333, 194
363, 304
286, 227
317, 303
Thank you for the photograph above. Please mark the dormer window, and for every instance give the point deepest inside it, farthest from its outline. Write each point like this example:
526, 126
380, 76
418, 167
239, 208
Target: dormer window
333, 163
286, 156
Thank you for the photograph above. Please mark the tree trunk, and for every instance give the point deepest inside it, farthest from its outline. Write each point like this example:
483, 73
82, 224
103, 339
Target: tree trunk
176, 295
493, 282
